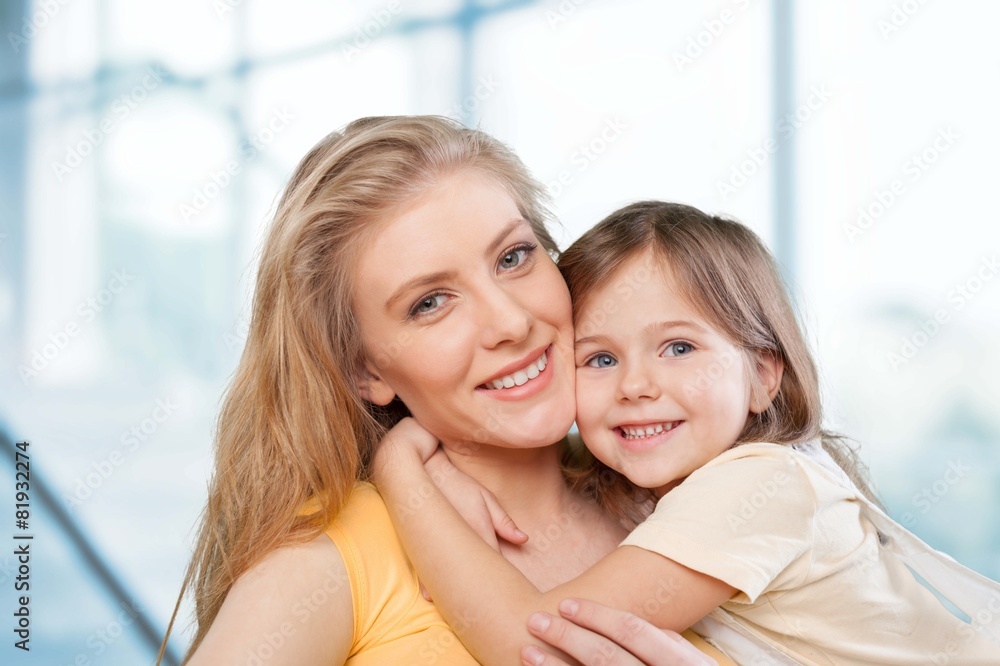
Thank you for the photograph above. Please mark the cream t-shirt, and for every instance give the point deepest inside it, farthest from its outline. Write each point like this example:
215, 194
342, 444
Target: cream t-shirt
809, 571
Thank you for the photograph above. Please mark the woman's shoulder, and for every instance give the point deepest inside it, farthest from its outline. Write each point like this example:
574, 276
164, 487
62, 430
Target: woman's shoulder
295, 590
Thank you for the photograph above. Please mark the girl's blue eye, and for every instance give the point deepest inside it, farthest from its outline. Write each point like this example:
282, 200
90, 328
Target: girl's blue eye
427, 304
601, 361
678, 349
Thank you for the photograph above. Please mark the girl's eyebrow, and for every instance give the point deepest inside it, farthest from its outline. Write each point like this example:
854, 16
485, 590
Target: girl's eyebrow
667, 325
654, 327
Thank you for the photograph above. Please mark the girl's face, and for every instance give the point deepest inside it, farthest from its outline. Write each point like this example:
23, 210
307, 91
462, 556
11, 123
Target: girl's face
466, 319
659, 391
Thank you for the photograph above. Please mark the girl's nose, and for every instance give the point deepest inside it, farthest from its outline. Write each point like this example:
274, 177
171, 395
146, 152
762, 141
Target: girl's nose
637, 383
503, 319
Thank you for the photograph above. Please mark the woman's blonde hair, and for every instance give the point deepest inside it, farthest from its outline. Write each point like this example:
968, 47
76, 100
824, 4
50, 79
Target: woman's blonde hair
292, 425
730, 278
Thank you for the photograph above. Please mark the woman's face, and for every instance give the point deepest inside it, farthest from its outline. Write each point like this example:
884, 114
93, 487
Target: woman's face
466, 319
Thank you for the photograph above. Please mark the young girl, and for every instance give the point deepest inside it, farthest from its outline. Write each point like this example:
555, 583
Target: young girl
695, 382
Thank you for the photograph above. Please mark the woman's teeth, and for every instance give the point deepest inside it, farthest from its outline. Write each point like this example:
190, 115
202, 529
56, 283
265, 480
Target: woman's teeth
637, 432
522, 376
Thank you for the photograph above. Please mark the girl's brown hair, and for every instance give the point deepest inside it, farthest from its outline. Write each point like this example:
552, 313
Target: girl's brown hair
292, 425
731, 279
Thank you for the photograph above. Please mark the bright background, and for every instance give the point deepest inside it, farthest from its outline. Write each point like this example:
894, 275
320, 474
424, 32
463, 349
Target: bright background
126, 250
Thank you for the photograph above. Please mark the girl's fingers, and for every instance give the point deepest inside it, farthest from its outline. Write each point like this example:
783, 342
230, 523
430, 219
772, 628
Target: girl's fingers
503, 524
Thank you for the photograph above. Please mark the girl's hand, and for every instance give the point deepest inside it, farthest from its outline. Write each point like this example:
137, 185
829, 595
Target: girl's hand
596, 634
477, 505
405, 440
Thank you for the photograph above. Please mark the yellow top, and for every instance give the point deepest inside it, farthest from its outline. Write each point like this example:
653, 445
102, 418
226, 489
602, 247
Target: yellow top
393, 623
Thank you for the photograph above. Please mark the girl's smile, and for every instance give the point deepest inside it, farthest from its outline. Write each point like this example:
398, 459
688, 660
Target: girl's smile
659, 391
639, 437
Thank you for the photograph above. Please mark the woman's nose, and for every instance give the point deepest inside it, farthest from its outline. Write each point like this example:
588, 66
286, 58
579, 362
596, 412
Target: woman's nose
637, 383
503, 318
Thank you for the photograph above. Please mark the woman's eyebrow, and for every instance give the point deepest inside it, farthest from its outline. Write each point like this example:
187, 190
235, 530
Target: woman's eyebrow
421, 281
498, 240
443, 276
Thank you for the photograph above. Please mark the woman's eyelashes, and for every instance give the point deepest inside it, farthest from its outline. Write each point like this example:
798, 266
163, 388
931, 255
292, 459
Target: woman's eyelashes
427, 305
518, 258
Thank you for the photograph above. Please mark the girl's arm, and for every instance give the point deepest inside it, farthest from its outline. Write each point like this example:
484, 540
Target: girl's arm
271, 613
592, 633
485, 598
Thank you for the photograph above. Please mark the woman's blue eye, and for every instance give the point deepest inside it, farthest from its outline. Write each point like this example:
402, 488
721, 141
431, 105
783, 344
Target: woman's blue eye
601, 361
678, 349
516, 257
427, 304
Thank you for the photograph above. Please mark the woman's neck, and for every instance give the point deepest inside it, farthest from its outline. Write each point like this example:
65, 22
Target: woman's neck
567, 532
527, 482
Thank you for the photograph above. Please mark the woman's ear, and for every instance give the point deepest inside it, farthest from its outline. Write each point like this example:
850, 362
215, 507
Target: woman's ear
770, 368
372, 387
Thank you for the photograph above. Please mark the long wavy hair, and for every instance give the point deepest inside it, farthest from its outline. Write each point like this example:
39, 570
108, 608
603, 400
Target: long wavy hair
292, 425
729, 276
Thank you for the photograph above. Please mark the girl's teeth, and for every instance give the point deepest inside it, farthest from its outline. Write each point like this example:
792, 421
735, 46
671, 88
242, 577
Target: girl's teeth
521, 377
646, 431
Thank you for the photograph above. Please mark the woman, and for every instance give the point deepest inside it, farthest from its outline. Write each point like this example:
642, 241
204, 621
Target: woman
408, 269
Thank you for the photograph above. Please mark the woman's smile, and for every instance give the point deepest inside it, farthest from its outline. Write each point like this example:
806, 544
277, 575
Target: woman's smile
523, 382
489, 332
